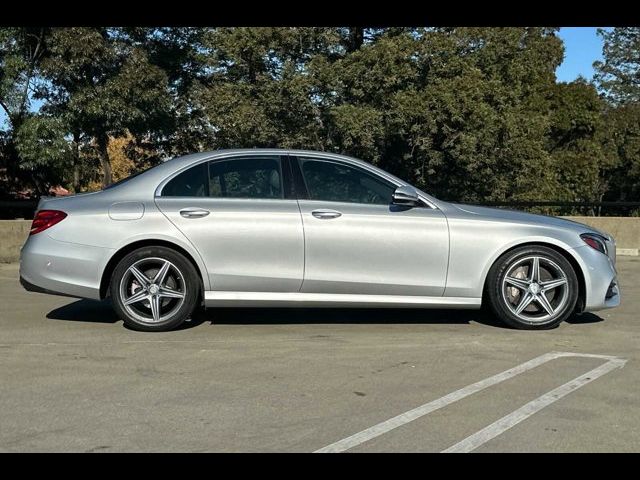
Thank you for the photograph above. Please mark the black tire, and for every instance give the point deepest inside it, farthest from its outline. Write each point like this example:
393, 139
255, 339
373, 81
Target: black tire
181, 278
505, 298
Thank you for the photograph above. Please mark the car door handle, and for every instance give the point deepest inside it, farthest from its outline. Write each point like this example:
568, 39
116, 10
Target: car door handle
194, 212
326, 214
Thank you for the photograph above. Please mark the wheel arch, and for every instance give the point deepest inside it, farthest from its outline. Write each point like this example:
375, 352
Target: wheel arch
130, 247
577, 268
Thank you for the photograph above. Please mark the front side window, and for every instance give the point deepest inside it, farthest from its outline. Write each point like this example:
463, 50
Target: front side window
337, 182
258, 177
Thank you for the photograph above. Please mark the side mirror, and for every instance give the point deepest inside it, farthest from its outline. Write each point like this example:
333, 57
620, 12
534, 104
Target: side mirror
407, 196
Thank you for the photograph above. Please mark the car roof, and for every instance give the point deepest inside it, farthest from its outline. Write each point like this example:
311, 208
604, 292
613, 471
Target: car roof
262, 151
153, 178
180, 162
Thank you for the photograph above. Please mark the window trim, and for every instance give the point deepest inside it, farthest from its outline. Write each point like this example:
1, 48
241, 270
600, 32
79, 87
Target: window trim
244, 156
299, 183
293, 154
287, 178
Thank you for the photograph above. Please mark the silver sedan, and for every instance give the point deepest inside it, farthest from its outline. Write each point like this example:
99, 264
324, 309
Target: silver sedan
302, 228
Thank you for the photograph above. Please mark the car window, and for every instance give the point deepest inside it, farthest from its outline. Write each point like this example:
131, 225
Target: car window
259, 177
190, 183
337, 182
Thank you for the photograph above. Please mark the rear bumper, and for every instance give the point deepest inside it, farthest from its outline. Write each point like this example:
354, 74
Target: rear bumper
62, 268
30, 287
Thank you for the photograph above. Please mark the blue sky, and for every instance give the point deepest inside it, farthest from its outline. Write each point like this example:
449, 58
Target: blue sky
582, 48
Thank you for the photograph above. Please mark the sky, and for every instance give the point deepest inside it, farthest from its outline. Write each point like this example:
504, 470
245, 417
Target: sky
582, 48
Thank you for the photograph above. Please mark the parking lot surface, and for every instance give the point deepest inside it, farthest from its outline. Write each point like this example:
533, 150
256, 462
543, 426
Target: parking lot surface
73, 378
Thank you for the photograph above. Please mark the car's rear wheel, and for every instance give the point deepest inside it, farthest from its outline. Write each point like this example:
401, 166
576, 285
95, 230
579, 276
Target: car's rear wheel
532, 287
154, 289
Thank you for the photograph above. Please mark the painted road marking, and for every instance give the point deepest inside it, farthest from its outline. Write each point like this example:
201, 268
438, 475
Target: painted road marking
507, 422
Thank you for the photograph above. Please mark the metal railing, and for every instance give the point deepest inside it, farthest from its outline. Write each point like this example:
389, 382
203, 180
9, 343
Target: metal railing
12, 209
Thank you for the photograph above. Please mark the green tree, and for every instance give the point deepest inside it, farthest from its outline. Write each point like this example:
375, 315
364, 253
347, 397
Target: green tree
618, 77
469, 114
462, 112
258, 91
21, 51
179, 52
577, 142
619, 74
623, 140
104, 85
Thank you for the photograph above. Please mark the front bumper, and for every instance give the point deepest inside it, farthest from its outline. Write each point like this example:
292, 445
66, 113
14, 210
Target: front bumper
62, 268
602, 289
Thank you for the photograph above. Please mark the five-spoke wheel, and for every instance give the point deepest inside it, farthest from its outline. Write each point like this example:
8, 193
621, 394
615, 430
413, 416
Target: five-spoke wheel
532, 287
154, 288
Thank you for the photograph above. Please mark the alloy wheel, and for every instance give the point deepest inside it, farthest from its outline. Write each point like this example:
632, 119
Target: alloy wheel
535, 289
152, 290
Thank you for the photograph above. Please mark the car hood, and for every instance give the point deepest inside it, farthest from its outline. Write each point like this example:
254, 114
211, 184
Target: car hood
529, 218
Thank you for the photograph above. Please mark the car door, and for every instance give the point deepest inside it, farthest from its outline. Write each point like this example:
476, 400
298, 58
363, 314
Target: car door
357, 242
237, 215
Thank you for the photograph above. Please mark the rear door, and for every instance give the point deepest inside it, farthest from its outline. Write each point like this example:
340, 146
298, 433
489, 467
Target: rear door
241, 216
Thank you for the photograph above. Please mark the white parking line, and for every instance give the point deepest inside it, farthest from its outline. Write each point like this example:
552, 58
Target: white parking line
498, 427
505, 423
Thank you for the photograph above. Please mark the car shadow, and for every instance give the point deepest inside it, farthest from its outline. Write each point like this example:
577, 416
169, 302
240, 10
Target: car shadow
587, 317
93, 311
359, 316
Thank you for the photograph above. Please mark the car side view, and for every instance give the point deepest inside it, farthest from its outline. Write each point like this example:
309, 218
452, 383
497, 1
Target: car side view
269, 227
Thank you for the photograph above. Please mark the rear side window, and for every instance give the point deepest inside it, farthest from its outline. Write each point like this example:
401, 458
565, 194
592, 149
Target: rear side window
190, 183
246, 178
258, 177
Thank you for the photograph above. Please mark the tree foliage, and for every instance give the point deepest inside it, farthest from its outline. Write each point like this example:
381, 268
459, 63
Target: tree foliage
104, 86
468, 114
619, 74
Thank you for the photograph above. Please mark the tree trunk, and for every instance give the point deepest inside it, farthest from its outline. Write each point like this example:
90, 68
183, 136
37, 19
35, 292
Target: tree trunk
76, 162
355, 39
105, 162
76, 178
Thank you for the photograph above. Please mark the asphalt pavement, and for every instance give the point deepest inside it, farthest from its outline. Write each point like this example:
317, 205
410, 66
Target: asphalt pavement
73, 378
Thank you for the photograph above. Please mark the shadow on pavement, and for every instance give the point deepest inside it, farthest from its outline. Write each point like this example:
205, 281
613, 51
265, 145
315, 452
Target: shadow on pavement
288, 316
585, 318
101, 312
91, 311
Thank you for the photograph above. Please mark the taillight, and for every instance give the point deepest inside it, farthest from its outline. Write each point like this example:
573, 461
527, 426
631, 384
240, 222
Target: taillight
595, 241
45, 219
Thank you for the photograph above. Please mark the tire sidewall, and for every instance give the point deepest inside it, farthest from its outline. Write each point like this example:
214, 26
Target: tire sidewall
191, 280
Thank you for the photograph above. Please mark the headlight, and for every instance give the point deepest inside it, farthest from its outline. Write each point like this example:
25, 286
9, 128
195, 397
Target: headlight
595, 241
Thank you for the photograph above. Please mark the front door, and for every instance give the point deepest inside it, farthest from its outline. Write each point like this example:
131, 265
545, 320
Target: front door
357, 242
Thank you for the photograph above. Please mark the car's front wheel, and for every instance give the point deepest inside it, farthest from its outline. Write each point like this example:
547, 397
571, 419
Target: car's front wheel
154, 289
532, 287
